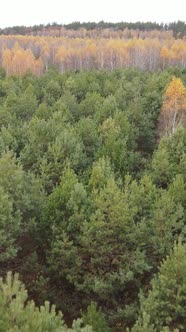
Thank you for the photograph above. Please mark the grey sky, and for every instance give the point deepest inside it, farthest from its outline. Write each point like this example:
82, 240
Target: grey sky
23, 12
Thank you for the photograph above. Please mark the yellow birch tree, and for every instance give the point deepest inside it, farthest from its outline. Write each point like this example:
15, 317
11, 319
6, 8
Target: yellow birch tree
173, 112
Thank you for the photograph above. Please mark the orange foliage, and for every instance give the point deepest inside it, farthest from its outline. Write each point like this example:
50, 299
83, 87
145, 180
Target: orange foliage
18, 61
81, 49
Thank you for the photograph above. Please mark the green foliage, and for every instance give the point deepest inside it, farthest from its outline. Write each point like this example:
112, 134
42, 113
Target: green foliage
178, 28
90, 200
17, 315
22, 106
164, 307
95, 318
169, 159
9, 227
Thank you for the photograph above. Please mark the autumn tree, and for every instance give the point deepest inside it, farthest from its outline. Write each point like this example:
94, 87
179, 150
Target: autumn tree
18, 61
102, 48
173, 112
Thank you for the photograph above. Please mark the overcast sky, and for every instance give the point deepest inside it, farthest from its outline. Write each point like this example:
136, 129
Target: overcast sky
24, 12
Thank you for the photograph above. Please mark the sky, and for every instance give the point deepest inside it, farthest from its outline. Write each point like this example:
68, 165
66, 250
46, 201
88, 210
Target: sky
24, 12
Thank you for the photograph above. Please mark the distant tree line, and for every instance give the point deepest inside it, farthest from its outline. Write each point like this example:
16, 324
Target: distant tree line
178, 28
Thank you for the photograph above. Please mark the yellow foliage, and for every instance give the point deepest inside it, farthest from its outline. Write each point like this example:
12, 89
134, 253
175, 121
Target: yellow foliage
173, 111
76, 50
174, 99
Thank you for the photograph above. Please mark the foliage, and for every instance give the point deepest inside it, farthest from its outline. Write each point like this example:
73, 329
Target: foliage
95, 318
148, 46
164, 305
91, 198
173, 113
17, 315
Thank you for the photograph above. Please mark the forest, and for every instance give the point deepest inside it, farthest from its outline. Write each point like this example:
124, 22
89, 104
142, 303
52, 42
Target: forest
178, 28
77, 47
92, 199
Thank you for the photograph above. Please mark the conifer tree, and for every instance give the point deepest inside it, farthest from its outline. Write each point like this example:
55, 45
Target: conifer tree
164, 308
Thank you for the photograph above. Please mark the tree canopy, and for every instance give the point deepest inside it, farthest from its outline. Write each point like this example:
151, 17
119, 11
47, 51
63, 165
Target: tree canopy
92, 200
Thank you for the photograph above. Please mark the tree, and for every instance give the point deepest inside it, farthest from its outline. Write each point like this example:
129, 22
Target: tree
95, 317
173, 111
170, 158
19, 315
164, 307
9, 227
